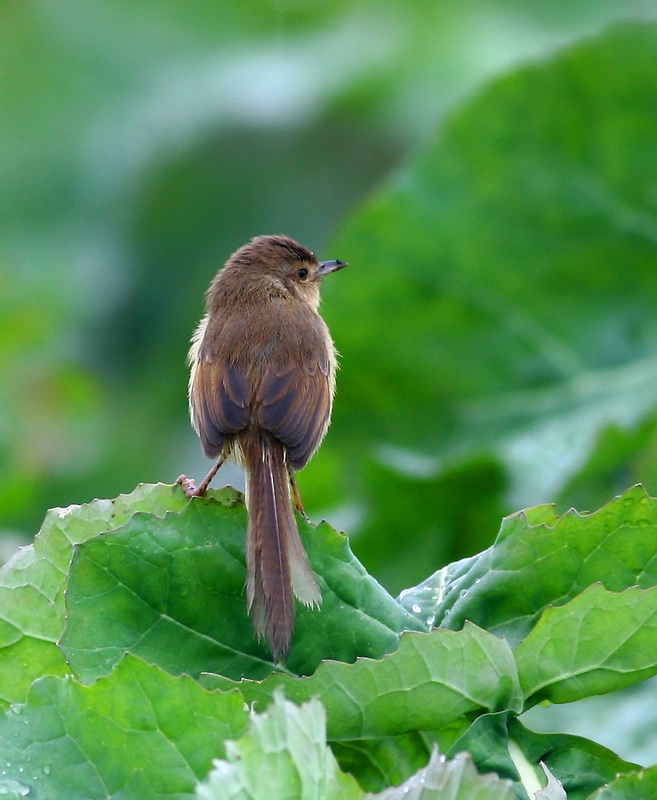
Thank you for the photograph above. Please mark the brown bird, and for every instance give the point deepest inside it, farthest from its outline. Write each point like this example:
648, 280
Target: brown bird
261, 388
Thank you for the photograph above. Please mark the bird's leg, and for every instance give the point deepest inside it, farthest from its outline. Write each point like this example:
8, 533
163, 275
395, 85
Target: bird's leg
191, 489
295, 492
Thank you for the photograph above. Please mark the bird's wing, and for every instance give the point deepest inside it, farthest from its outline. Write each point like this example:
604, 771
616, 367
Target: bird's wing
295, 405
220, 401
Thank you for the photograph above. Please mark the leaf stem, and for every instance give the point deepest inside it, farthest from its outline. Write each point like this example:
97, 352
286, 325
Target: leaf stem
527, 773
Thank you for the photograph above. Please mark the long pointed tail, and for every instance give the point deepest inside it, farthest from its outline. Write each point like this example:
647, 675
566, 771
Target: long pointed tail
277, 565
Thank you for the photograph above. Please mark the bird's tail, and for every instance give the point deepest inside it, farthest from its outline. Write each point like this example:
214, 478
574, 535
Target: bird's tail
276, 562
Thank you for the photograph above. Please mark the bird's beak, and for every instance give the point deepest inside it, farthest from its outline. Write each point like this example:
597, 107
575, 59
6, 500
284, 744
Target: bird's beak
327, 267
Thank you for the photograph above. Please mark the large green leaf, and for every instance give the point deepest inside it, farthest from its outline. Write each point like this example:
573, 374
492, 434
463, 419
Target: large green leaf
285, 755
431, 680
384, 760
171, 589
580, 764
499, 744
599, 642
138, 734
32, 583
540, 559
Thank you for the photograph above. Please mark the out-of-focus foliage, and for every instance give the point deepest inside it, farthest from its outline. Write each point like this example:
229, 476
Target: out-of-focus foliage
141, 143
508, 282
497, 323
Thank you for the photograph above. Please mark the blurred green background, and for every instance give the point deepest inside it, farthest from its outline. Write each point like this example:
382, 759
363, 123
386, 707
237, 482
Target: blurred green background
141, 143
489, 170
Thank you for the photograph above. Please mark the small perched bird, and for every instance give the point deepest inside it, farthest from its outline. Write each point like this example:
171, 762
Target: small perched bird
261, 389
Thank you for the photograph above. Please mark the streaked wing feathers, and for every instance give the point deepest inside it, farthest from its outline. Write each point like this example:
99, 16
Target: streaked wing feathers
220, 404
296, 407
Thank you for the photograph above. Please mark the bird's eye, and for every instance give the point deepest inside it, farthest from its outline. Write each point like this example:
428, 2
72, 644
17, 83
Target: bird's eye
303, 273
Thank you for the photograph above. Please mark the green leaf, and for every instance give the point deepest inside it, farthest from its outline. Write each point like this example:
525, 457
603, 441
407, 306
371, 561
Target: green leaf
622, 721
138, 733
32, 583
427, 599
382, 761
456, 780
429, 681
283, 755
540, 559
580, 765
599, 642
171, 590
641, 785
